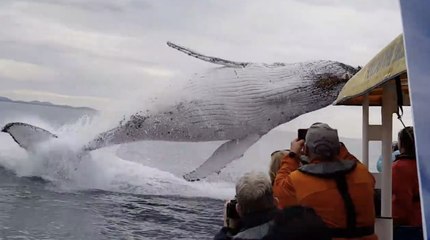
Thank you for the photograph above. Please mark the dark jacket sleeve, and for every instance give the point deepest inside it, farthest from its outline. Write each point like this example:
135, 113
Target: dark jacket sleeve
223, 234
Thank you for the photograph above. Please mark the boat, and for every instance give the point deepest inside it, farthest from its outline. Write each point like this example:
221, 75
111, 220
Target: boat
382, 82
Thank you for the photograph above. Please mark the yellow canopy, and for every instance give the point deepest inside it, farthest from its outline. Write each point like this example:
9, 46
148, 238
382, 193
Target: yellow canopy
385, 66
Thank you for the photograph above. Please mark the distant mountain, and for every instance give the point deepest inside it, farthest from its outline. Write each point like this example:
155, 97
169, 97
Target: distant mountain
5, 99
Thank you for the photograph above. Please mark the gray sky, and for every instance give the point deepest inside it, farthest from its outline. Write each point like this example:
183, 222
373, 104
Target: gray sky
90, 52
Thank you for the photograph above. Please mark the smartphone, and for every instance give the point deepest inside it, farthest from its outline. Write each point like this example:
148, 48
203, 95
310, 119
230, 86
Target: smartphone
302, 133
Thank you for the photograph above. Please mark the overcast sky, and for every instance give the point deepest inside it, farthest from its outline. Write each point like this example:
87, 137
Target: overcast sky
100, 52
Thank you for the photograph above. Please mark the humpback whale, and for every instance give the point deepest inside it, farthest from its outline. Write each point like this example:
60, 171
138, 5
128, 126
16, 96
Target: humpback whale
236, 102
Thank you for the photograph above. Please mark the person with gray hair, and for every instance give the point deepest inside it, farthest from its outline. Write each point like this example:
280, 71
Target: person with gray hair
250, 214
340, 190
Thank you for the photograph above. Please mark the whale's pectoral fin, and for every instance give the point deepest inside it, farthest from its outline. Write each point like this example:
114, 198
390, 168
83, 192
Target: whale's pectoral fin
225, 154
214, 60
26, 135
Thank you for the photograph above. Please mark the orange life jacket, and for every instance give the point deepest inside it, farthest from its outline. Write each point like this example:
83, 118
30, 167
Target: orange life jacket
345, 154
340, 191
406, 193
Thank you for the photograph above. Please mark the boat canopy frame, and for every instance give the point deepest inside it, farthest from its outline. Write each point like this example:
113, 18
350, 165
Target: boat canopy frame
381, 82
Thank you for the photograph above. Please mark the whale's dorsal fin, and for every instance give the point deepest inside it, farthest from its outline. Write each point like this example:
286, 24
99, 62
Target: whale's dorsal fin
26, 135
210, 59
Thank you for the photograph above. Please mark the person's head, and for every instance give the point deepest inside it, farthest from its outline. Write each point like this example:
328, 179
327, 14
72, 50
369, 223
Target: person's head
298, 223
406, 141
322, 142
254, 193
275, 163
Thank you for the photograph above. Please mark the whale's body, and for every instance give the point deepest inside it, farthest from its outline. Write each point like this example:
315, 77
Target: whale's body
238, 102
229, 103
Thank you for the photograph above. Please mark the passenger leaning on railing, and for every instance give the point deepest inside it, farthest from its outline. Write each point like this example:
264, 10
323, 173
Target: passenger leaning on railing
339, 190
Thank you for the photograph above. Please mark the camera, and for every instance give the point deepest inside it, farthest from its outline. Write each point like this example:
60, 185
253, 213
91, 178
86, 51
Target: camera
231, 209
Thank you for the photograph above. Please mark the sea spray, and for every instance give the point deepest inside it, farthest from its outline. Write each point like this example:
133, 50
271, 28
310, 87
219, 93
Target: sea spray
60, 162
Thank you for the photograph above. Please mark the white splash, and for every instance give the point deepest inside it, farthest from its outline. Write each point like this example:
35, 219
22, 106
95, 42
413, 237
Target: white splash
57, 161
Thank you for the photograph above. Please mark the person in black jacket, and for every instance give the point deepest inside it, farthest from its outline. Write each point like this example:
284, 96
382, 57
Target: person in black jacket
250, 215
298, 223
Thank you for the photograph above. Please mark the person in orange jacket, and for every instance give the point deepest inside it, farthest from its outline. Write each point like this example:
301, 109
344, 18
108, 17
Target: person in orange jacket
340, 190
406, 193
277, 156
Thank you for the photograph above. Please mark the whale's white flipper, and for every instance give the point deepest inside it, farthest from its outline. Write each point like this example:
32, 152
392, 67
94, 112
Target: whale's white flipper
225, 154
210, 59
26, 135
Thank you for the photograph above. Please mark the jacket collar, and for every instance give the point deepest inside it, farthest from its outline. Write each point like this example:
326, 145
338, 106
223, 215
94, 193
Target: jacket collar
328, 169
403, 156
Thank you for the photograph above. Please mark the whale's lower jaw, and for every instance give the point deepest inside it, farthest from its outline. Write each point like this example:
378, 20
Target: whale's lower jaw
121, 135
210, 136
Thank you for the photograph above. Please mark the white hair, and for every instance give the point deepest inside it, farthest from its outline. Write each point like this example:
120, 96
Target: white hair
254, 192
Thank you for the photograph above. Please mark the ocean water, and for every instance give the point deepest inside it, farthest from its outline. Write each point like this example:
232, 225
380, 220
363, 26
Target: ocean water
132, 191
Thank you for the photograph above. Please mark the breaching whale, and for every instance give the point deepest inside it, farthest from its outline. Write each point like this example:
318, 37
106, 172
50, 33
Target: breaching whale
238, 102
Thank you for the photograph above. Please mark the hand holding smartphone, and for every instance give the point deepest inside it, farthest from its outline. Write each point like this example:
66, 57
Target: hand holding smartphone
301, 133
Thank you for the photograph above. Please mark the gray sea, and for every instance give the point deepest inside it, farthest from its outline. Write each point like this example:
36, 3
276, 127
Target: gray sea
132, 191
